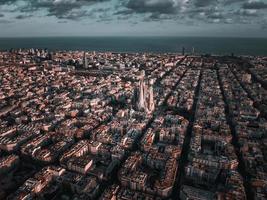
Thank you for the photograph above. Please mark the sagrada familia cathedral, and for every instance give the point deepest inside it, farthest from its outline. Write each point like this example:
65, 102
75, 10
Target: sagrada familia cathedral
144, 94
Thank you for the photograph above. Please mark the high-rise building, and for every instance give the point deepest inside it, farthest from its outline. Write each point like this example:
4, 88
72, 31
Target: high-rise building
85, 61
183, 51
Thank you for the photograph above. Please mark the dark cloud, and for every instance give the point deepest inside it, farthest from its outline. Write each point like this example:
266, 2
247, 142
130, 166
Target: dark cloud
2, 15
151, 6
3, 2
62, 9
208, 15
229, 2
23, 16
255, 5
152, 10
182, 11
75, 15
204, 3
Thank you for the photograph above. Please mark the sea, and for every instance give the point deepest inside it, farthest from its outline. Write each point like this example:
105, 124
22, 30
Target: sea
197, 45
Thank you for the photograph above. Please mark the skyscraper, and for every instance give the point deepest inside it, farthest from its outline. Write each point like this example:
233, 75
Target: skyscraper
85, 61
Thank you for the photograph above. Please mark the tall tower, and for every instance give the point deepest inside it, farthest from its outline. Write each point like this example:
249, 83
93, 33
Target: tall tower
141, 105
85, 61
151, 105
145, 96
183, 51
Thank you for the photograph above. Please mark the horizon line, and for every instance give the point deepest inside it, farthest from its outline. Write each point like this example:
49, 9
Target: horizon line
131, 36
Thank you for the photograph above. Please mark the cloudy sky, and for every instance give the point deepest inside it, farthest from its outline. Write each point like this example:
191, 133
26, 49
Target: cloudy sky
235, 18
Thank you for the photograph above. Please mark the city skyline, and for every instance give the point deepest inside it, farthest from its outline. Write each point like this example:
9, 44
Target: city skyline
128, 126
220, 18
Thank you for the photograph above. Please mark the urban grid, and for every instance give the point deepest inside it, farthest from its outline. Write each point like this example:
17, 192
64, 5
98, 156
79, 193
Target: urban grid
122, 126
